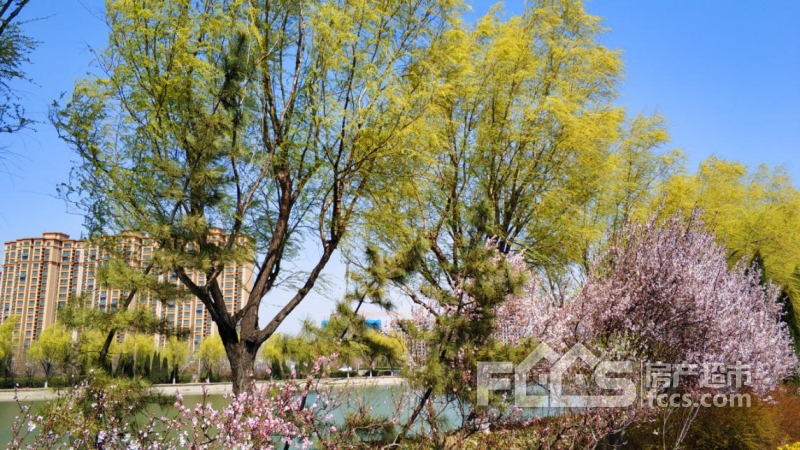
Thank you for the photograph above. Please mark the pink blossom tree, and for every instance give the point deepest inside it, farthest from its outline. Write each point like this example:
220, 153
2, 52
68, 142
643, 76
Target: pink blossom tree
664, 292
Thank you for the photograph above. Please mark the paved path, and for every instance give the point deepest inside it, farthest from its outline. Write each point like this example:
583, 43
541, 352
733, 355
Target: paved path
27, 394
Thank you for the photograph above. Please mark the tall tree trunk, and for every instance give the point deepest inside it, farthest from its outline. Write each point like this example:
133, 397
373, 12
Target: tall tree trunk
102, 357
242, 356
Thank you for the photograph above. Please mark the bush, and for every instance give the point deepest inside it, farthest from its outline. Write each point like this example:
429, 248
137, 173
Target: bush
767, 423
85, 416
107, 413
34, 382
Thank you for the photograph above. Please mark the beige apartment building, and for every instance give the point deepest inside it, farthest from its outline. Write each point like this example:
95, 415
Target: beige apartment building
39, 275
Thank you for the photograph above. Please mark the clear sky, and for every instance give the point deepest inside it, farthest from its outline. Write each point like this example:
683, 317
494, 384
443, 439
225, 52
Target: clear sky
725, 74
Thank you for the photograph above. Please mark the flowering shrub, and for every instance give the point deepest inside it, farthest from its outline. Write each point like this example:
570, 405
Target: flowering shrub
664, 292
274, 414
87, 416
98, 414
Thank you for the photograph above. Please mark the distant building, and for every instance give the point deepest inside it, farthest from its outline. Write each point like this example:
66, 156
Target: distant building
39, 275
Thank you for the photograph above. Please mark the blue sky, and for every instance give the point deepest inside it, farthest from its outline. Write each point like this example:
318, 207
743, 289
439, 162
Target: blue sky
725, 74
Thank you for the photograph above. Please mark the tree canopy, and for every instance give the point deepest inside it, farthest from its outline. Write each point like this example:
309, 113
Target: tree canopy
15, 47
7, 330
210, 354
523, 150
754, 213
233, 131
52, 349
272, 121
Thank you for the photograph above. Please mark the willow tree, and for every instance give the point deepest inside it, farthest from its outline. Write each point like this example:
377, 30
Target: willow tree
52, 349
519, 143
8, 341
751, 210
270, 120
15, 47
632, 173
754, 212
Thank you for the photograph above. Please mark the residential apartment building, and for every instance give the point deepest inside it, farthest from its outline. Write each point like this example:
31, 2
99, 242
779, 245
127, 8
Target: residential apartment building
40, 275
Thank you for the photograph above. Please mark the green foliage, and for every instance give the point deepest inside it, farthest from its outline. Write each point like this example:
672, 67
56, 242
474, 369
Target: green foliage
15, 47
302, 350
125, 366
176, 355
788, 297
787, 293
103, 325
144, 367
156, 374
167, 374
136, 350
52, 349
275, 122
380, 348
525, 131
7, 343
88, 413
373, 276
740, 428
211, 353
364, 430
632, 172
276, 352
461, 331
765, 424
79, 314
90, 343
748, 210
752, 212
347, 334
522, 150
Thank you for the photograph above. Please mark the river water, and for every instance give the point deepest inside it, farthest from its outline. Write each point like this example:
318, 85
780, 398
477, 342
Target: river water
381, 400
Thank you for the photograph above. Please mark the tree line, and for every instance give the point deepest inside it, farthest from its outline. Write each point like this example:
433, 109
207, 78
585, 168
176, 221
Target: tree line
463, 168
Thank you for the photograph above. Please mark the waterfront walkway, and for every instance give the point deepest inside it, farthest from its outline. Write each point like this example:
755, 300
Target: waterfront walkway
38, 394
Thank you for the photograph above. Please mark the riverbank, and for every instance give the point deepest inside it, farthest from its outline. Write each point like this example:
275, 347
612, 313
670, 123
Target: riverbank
39, 394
